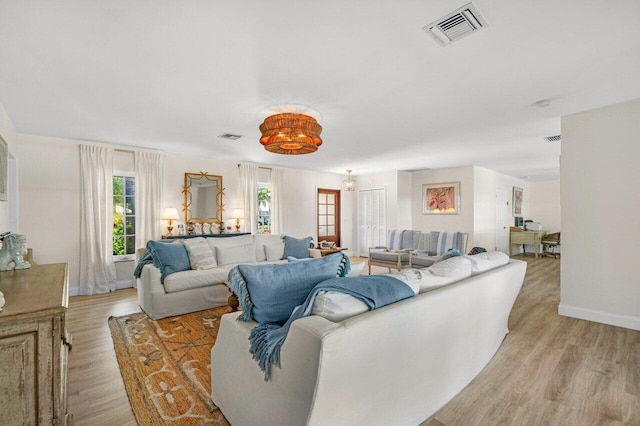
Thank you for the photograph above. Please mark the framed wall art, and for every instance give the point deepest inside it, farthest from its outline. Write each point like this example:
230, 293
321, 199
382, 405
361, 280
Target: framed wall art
441, 198
517, 201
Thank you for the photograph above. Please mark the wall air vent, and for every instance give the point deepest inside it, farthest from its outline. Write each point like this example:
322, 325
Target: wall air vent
230, 136
456, 25
555, 138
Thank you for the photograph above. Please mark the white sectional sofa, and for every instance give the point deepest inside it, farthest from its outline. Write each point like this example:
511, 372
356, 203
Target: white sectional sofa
195, 290
396, 365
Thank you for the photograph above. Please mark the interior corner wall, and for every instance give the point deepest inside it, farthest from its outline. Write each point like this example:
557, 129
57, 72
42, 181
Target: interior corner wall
484, 219
544, 204
599, 178
462, 222
8, 133
49, 187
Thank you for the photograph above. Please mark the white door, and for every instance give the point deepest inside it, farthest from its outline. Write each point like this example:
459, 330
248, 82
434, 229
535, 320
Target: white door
372, 228
502, 220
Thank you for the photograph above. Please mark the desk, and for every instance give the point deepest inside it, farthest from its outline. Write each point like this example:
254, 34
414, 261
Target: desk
526, 237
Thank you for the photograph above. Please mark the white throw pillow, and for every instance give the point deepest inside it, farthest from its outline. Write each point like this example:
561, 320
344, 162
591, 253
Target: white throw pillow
274, 251
440, 274
200, 254
262, 240
237, 254
486, 261
336, 306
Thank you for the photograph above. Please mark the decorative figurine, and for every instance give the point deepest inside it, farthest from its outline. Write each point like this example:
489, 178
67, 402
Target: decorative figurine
14, 247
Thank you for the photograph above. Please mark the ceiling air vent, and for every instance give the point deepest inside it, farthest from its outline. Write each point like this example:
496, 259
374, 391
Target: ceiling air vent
456, 25
555, 138
230, 136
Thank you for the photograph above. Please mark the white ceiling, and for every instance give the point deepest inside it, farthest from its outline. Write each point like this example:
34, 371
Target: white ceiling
173, 75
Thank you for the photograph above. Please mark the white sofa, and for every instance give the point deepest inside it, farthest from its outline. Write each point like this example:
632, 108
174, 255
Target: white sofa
195, 290
392, 366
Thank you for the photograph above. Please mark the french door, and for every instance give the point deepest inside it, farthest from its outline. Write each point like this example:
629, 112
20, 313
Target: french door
329, 215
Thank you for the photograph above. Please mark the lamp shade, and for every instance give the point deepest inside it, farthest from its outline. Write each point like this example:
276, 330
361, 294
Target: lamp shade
237, 214
291, 134
170, 213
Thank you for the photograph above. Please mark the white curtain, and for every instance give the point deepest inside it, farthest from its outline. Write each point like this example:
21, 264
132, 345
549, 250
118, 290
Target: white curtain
149, 179
277, 193
97, 270
249, 196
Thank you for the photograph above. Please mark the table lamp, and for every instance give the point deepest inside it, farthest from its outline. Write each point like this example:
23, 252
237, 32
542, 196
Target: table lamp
237, 214
170, 214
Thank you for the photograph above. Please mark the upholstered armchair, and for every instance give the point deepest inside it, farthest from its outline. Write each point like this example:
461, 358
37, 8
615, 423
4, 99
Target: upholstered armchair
434, 244
397, 253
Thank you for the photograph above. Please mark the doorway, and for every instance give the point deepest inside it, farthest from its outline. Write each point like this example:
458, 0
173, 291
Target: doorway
502, 216
372, 220
328, 215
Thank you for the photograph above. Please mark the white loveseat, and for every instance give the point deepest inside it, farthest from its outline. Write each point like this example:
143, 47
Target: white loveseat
195, 290
396, 365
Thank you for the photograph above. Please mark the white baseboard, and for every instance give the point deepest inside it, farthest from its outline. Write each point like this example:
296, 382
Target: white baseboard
75, 290
603, 317
125, 283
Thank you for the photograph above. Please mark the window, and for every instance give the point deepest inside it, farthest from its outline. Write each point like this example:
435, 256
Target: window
264, 208
124, 215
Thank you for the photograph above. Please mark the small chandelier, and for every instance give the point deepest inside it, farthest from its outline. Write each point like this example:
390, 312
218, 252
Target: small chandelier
348, 185
290, 134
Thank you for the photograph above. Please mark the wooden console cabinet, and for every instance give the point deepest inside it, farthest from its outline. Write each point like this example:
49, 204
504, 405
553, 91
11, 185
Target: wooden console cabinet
34, 346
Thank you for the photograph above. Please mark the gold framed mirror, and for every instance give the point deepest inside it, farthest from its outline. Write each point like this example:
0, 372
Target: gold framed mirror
203, 198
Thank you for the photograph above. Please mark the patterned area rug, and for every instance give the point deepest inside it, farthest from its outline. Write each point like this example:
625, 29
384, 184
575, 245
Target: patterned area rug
165, 366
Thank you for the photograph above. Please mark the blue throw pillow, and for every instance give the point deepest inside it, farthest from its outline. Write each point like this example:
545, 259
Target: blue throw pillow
296, 247
169, 257
269, 293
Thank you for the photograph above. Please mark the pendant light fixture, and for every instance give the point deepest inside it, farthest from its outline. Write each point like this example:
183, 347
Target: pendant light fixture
290, 134
348, 184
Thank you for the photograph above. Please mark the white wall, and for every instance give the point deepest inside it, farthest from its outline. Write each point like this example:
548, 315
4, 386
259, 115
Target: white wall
8, 133
49, 186
599, 175
544, 204
484, 220
429, 222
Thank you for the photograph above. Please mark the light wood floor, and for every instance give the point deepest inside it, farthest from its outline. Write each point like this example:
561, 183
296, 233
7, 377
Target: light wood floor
550, 370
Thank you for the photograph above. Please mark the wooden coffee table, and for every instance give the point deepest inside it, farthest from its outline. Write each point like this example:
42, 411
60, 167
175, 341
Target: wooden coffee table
325, 252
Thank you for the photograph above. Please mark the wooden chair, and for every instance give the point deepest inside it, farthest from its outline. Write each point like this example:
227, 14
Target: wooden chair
550, 241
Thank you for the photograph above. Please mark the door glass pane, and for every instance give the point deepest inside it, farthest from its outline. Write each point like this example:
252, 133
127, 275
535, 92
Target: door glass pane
322, 220
331, 220
118, 246
322, 231
131, 225
331, 209
130, 245
322, 198
331, 230
130, 186
331, 199
130, 207
322, 209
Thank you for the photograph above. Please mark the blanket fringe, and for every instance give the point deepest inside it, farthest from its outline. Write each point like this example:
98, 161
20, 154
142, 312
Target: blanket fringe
265, 349
238, 285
